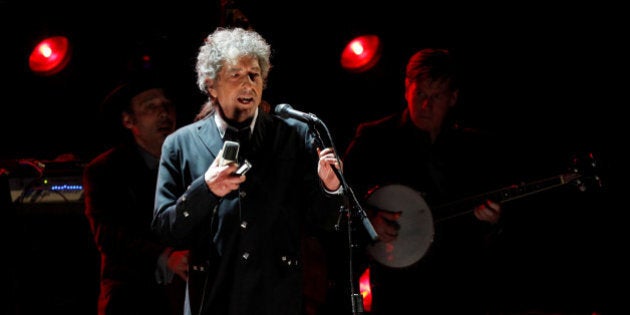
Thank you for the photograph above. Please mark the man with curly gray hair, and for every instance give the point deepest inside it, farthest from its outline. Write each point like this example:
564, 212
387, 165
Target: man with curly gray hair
244, 231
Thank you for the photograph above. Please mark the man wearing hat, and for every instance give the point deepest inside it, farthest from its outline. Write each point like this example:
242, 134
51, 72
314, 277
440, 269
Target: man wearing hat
138, 274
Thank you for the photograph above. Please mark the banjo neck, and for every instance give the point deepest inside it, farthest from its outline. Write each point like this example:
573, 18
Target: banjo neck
503, 195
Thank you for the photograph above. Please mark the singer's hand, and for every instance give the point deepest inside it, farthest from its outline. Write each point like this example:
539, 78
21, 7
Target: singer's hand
220, 178
328, 160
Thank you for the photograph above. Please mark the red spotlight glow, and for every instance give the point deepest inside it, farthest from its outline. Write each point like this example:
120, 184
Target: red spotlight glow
50, 56
366, 290
361, 54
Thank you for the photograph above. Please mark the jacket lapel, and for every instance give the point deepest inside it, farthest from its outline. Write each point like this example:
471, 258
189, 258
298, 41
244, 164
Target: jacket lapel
209, 135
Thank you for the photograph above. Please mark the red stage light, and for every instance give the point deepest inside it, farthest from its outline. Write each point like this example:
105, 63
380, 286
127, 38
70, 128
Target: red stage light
366, 290
361, 54
50, 55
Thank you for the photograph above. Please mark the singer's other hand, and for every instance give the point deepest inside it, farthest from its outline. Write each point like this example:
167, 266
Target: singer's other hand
220, 178
327, 160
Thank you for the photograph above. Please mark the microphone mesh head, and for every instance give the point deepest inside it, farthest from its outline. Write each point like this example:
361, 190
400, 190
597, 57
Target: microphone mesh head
282, 110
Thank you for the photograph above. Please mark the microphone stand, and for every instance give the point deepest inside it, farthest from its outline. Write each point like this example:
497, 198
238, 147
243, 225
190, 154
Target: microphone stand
349, 199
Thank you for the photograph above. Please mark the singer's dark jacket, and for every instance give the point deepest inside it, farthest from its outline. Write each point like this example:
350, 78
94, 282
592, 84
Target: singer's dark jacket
245, 248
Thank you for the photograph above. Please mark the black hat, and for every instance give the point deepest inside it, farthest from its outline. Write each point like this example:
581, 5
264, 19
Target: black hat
119, 99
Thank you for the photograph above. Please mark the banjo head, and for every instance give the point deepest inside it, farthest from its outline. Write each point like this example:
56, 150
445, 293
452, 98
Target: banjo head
416, 226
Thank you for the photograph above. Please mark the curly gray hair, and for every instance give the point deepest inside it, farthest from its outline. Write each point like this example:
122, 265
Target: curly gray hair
226, 45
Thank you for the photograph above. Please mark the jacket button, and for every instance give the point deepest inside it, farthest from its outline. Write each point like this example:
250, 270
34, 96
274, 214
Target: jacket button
243, 194
244, 225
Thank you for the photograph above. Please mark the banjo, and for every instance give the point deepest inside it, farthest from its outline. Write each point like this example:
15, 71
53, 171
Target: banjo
417, 220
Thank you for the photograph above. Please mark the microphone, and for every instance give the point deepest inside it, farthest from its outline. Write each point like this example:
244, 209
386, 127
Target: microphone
285, 110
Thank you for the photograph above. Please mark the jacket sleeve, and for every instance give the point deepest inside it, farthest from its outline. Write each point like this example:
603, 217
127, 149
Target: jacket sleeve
180, 209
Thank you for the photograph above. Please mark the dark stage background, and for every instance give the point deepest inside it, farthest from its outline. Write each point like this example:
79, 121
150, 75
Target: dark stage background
546, 78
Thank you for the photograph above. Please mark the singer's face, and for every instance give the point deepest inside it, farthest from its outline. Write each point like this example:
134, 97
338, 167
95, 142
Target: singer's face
238, 88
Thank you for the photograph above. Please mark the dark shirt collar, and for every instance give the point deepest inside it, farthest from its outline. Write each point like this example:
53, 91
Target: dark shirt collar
150, 160
223, 125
